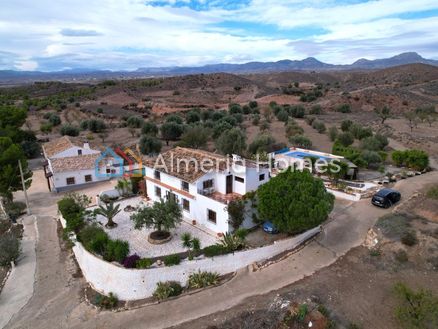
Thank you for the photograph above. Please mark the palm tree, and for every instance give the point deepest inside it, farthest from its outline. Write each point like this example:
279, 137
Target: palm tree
109, 211
191, 243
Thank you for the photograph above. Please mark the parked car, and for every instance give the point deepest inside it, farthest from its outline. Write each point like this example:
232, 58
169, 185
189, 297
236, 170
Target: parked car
385, 198
269, 227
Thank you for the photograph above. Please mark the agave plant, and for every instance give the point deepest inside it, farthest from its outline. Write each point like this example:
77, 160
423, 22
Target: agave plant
203, 279
109, 211
232, 242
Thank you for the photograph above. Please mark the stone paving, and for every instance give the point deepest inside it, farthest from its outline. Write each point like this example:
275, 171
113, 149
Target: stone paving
138, 238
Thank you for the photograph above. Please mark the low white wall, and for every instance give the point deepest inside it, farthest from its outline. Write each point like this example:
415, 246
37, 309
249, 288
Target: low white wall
132, 284
345, 196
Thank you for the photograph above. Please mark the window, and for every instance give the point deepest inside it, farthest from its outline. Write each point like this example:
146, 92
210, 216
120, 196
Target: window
157, 175
207, 184
71, 181
172, 196
79, 152
239, 179
211, 216
88, 178
261, 177
108, 170
185, 186
158, 191
186, 204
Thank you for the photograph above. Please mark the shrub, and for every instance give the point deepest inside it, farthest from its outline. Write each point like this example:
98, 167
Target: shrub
46, 127
106, 302
360, 132
282, 115
375, 252
415, 159
215, 250
172, 260
256, 119
144, 263
432, 193
374, 143
116, 250
15, 209
69, 130
9, 249
203, 279
309, 120
345, 125
55, 120
401, 256
319, 126
193, 116
343, 108
167, 289
315, 109
93, 238
371, 158
149, 144
302, 312
301, 141
262, 143
297, 111
409, 238
131, 261
333, 133
235, 108
346, 139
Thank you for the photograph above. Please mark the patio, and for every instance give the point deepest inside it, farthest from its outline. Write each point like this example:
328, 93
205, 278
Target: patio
138, 238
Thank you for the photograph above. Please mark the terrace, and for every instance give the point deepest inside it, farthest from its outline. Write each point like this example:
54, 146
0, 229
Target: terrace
138, 239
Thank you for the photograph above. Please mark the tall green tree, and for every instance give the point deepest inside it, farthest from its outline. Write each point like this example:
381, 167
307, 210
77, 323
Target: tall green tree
10, 180
232, 141
294, 201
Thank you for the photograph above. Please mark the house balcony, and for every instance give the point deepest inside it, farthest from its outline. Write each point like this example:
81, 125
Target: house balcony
220, 197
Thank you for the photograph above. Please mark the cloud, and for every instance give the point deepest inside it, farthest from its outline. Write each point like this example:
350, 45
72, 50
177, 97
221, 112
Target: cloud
79, 33
127, 34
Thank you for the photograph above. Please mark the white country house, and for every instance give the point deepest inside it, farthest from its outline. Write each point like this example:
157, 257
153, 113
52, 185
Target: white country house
203, 183
70, 166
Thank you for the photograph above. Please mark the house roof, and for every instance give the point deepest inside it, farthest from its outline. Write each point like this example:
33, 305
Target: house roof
187, 164
58, 145
75, 163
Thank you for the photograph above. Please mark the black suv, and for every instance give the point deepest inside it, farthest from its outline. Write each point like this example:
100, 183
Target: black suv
385, 198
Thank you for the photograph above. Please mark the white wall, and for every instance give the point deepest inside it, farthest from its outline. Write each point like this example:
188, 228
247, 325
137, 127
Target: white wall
60, 178
133, 284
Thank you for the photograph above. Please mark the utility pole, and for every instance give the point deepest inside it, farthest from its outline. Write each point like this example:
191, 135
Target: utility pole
24, 187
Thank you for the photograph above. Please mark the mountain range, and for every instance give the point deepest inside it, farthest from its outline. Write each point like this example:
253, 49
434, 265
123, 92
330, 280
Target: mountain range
308, 64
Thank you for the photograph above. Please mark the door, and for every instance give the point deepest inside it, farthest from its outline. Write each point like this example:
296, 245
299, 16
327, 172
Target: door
229, 185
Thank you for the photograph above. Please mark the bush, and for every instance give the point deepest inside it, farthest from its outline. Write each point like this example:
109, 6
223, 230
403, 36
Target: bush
345, 125
215, 250
167, 289
371, 158
319, 126
144, 263
9, 249
333, 133
69, 130
131, 261
315, 109
46, 127
172, 260
309, 120
15, 209
409, 238
282, 115
415, 159
360, 132
203, 279
300, 141
93, 238
343, 108
346, 139
432, 193
116, 250
235, 108
297, 111
106, 302
401, 256
55, 120
292, 129
193, 116
374, 143
262, 143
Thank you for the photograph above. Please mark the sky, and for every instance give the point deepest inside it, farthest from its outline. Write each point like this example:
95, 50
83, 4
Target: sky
53, 35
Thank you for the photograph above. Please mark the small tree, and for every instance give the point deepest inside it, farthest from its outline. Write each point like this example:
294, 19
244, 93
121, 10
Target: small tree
109, 211
191, 243
124, 187
383, 113
149, 144
300, 141
195, 137
412, 120
171, 131
236, 210
162, 216
9, 249
294, 201
149, 128
333, 133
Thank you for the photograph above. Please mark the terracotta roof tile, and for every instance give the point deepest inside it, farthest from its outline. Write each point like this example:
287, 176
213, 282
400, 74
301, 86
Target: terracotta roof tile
58, 145
75, 163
